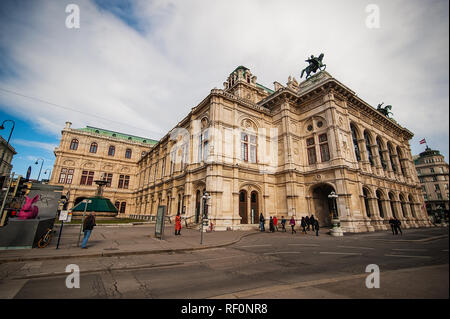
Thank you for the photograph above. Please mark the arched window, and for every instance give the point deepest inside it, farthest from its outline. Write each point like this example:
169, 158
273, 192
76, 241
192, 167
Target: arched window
93, 148
355, 142
369, 150
74, 144
366, 201
117, 204
380, 203
390, 151
380, 154
112, 150
128, 153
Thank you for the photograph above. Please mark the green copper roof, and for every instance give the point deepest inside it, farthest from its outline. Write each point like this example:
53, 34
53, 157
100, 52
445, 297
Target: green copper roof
122, 136
265, 88
241, 67
98, 204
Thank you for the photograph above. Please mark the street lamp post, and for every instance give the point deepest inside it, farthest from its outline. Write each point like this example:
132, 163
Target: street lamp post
2, 127
50, 173
205, 198
40, 158
336, 230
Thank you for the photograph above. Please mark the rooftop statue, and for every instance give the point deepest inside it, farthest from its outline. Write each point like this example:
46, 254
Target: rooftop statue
315, 63
385, 110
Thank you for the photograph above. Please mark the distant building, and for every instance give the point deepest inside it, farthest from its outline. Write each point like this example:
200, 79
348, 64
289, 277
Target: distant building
6, 152
87, 154
433, 174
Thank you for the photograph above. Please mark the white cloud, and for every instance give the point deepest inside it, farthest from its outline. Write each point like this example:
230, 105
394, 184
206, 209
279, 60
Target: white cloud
150, 79
34, 144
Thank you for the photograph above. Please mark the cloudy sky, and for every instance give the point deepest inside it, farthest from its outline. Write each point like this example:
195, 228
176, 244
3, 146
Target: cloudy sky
139, 66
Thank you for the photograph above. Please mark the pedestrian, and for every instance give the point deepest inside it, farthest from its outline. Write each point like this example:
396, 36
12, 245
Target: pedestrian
307, 222
275, 222
88, 226
271, 227
316, 226
397, 224
303, 224
283, 224
292, 223
393, 228
261, 222
178, 224
312, 221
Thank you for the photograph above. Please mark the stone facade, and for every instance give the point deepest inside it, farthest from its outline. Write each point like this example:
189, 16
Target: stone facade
433, 176
88, 154
6, 154
281, 152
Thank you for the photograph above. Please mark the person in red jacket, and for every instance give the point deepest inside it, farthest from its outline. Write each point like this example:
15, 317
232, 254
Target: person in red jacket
178, 224
275, 223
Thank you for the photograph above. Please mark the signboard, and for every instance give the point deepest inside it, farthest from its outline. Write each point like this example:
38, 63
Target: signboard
159, 225
63, 215
69, 217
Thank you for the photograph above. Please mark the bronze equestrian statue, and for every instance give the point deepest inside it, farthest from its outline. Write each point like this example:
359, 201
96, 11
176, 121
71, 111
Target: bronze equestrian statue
385, 110
315, 63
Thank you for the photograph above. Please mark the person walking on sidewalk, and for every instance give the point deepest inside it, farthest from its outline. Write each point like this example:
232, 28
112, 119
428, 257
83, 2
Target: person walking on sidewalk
292, 223
397, 224
275, 223
271, 227
178, 224
393, 228
283, 224
88, 226
261, 222
303, 224
316, 226
307, 221
312, 221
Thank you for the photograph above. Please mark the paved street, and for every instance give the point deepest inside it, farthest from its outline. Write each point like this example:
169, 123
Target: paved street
263, 265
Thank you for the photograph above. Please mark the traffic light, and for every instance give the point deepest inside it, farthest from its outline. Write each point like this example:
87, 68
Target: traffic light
21, 187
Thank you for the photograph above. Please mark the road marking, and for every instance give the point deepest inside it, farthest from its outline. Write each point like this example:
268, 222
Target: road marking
356, 247
336, 253
407, 256
284, 252
409, 249
9, 289
251, 246
311, 245
304, 284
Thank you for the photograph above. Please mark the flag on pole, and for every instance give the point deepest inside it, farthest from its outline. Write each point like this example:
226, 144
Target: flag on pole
422, 141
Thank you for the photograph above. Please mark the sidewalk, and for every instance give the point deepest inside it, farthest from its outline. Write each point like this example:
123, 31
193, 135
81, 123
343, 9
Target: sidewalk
122, 241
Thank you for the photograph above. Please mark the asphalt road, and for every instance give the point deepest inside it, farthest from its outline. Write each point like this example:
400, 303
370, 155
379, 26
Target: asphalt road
266, 265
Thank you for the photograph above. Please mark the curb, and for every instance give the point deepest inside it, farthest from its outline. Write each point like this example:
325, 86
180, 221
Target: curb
122, 253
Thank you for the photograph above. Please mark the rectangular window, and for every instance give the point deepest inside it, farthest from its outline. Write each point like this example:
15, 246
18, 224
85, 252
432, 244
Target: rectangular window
90, 178
62, 176
69, 176
312, 159
248, 143
163, 168
126, 182
312, 155
173, 155
324, 150
121, 179
109, 179
437, 188
205, 151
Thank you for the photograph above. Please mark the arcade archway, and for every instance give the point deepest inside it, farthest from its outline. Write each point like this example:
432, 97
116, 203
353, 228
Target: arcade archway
322, 205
